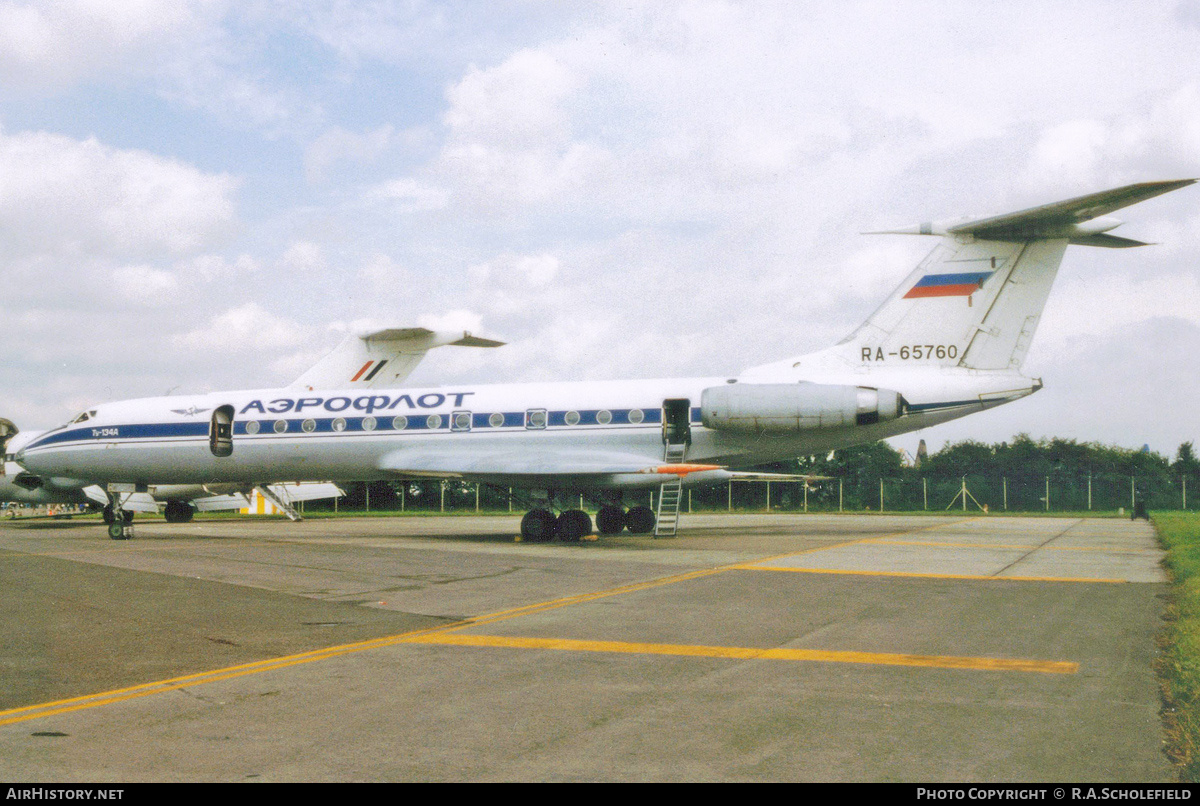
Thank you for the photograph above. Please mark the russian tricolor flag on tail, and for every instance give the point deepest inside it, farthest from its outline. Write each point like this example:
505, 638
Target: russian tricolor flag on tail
949, 285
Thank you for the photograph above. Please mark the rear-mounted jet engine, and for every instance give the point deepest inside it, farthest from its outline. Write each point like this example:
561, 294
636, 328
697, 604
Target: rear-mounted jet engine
796, 406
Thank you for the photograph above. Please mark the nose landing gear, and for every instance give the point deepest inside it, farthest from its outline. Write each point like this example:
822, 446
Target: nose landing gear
119, 519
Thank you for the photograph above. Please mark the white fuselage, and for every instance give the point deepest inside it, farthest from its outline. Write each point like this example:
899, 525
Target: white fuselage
286, 435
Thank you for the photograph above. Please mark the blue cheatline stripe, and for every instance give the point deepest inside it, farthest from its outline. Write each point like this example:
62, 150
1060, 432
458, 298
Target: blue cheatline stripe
324, 425
135, 431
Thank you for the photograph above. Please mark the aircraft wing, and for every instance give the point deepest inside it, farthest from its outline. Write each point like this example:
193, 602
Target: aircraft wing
382, 358
501, 463
138, 502
292, 493
749, 475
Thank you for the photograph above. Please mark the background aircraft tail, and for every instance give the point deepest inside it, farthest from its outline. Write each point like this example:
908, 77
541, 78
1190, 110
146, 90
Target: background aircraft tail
382, 358
976, 300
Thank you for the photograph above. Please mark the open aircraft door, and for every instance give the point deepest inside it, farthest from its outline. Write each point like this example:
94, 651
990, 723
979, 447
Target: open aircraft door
220, 432
677, 422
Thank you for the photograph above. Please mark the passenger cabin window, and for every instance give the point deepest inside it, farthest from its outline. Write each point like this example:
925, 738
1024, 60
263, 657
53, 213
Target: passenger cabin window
220, 432
460, 421
535, 418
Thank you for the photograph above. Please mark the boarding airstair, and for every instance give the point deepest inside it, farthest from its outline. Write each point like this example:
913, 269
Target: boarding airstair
670, 493
279, 501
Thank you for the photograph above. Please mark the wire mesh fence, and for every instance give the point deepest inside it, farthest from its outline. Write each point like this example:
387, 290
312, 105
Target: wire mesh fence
912, 492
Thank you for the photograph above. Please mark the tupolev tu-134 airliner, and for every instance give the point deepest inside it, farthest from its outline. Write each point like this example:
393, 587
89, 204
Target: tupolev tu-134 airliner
949, 341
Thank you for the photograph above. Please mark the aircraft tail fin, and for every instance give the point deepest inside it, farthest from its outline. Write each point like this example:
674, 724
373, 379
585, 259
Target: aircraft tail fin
8, 430
976, 300
381, 358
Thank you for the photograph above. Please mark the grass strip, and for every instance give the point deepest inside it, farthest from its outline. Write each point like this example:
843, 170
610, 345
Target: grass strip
1179, 642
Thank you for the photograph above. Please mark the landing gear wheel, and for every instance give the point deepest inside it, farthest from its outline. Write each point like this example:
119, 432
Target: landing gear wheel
107, 515
178, 512
640, 520
116, 531
610, 520
572, 525
538, 526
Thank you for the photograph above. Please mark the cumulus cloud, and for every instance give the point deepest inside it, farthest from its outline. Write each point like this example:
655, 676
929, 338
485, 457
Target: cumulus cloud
621, 189
55, 43
246, 328
145, 285
410, 195
339, 145
61, 195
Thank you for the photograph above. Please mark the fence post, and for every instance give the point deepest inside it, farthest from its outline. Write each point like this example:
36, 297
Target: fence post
840, 481
443, 486
925, 491
1047, 493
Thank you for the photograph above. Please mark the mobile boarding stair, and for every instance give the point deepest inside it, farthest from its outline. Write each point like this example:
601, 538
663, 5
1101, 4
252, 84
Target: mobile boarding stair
670, 494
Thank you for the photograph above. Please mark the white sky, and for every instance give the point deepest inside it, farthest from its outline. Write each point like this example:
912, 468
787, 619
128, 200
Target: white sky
197, 196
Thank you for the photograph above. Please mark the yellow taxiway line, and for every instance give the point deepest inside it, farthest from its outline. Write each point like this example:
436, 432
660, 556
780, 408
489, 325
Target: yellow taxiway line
441, 635
977, 577
751, 653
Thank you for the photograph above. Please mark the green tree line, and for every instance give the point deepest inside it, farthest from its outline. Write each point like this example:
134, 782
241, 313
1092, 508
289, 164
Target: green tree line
1016, 475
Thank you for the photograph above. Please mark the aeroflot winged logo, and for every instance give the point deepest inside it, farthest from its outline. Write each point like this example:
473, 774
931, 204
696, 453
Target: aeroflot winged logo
949, 285
190, 411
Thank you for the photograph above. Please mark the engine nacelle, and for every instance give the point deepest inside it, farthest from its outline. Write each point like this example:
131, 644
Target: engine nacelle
782, 407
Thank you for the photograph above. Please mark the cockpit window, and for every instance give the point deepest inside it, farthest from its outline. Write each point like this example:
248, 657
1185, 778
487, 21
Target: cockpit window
84, 417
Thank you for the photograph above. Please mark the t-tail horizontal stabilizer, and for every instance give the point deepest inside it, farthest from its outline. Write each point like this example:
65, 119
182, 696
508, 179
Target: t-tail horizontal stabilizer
1080, 221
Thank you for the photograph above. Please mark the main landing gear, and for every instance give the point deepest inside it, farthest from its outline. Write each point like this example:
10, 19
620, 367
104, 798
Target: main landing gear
179, 512
540, 525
